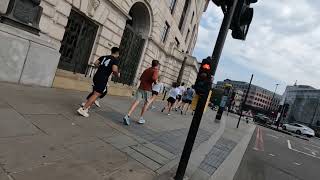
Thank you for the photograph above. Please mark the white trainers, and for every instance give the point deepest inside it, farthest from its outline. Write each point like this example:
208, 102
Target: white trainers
141, 121
126, 120
82, 104
97, 103
83, 112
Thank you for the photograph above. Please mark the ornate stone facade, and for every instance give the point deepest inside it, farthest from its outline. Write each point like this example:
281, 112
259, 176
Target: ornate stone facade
148, 19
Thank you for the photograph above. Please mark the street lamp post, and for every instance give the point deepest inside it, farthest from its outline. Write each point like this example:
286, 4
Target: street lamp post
274, 93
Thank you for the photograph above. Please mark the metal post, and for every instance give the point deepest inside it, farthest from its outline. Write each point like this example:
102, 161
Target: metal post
274, 93
244, 101
194, 127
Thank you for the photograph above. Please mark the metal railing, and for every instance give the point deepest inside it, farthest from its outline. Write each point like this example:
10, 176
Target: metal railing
91, 70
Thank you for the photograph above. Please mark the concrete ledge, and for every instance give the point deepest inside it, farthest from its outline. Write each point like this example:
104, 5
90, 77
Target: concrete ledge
197, 156
229, 167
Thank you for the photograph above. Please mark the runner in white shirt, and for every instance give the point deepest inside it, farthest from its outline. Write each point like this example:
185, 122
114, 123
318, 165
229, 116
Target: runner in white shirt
156, 89
173, 93
182, 89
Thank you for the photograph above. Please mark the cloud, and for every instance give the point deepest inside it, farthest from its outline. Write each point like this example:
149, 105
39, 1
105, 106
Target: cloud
283, 41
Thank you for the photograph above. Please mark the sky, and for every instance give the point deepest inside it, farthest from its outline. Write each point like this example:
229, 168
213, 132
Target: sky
282, 46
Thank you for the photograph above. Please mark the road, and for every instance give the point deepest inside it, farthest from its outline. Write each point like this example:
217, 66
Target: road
272, 155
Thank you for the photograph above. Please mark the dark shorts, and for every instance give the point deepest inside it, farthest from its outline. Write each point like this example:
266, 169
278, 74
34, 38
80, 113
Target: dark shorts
179, 97
171, 100
155, 93
99, 86
187, 101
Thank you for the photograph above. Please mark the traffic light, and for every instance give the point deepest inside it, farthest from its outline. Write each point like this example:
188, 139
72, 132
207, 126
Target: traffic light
204, 78
242, 18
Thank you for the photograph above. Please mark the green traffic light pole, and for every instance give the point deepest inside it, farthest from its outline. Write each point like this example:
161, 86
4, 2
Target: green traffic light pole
194, 127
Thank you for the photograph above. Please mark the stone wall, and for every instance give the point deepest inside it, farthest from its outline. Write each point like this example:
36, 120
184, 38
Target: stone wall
26, 58
110, 16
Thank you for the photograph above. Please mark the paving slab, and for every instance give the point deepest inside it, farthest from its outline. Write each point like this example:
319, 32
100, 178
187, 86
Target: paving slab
159, 150
121, 141
54, 125
65, 170
4, 177
131, 171
13, 124
150, 154
29, 152
101, 156
96, 126
147, 162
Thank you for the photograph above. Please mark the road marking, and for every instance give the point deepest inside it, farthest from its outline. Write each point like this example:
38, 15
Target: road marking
272, 136
290, 147
272, 155
259, 146
296, 163
314, 146
314, 152
289, 144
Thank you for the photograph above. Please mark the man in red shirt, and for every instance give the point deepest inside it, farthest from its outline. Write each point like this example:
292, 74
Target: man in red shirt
148, 77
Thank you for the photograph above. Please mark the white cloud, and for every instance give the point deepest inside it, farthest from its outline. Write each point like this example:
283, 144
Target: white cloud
283, 42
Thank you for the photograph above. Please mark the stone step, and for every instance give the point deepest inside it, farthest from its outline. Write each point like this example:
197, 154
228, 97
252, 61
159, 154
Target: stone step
69, 80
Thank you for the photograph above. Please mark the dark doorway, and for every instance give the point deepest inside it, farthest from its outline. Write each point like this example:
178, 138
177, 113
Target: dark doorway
133, 42
77, 43
131, 47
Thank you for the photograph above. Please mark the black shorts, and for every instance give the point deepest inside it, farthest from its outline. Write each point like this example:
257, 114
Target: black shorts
99, 86
155, 93
187, 101
179, 97
171, 100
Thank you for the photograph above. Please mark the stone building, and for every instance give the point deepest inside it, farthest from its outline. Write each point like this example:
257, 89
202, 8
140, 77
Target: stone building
303, 105
53, 42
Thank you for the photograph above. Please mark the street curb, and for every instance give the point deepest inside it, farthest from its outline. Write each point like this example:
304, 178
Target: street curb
199, 154
229, 167
196, 157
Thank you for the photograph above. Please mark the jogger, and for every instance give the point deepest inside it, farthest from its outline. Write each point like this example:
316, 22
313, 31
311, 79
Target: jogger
186, 100
148, 77
106, 66
172, 98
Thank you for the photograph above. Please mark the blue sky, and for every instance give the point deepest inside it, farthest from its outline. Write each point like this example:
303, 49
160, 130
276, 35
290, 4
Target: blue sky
283, 44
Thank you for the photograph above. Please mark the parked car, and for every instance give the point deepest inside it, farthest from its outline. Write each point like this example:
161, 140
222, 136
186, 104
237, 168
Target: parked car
262, 119
299, 129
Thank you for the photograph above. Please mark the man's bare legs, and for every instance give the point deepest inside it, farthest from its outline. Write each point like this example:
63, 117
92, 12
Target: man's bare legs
84, 110
92, 99
134, 105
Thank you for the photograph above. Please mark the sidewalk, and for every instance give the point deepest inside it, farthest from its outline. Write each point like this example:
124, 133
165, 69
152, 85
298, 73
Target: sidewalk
41, 137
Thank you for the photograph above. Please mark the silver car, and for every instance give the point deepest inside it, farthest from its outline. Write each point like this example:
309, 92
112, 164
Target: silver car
299, 129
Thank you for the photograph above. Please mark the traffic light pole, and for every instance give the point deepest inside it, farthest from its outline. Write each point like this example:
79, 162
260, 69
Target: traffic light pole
194, 127
244, 101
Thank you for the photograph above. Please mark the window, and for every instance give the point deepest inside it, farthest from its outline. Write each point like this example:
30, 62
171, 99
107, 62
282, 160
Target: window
187, 36
192, 17
172, 5
177, 42
165, 31
184, 13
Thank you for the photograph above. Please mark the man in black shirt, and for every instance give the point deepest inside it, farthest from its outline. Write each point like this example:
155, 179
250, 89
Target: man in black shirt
106, 66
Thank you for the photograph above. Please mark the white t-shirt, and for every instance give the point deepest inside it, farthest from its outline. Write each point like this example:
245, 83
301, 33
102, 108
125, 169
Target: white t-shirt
181, 90
157, 87
174, 92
